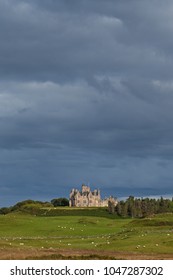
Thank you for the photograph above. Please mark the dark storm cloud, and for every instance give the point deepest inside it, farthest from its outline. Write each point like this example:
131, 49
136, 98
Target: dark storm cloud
92, 119
66, 43
86, 94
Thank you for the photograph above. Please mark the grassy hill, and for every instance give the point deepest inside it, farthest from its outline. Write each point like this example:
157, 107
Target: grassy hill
81, 231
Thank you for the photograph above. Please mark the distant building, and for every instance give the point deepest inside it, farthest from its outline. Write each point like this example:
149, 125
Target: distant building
87, 198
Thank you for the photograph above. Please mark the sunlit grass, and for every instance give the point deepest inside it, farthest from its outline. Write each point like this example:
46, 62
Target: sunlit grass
97, 233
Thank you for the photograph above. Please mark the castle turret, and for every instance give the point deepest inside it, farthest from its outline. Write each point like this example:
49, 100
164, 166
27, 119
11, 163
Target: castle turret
85, 189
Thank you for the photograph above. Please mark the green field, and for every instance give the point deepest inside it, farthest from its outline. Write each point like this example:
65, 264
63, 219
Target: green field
87, 230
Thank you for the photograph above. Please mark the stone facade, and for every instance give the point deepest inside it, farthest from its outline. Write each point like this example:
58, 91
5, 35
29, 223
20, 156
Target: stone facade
87, 198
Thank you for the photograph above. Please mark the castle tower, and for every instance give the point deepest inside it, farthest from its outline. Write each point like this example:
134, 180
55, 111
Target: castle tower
85, 189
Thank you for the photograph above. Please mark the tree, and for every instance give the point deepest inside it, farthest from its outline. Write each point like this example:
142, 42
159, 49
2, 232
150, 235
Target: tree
131, 206
62, 201
5, 210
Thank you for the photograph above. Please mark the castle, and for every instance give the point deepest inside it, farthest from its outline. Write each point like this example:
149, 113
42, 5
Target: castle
87, 198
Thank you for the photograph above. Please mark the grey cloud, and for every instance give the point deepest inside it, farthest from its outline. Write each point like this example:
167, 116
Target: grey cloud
123, 120
64, 44
86, 94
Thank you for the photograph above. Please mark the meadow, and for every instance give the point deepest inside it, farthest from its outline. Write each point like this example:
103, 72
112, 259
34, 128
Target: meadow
85, 233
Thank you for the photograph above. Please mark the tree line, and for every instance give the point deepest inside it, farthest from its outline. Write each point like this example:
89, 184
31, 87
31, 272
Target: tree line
142, 207
131, 207
31, 206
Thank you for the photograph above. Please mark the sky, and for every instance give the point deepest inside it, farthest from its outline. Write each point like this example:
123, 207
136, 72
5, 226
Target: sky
86, 96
